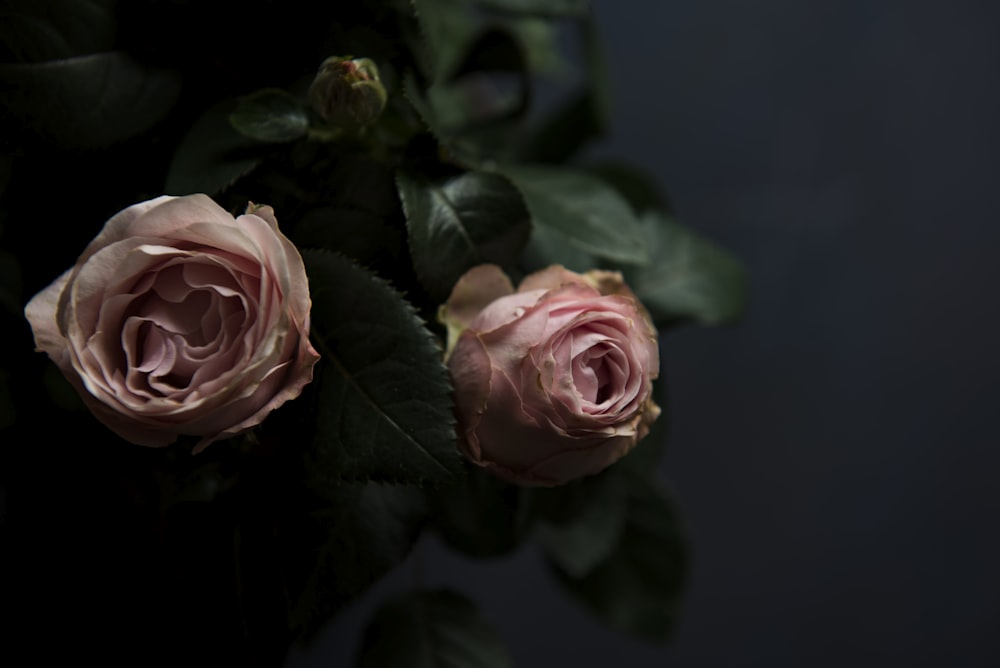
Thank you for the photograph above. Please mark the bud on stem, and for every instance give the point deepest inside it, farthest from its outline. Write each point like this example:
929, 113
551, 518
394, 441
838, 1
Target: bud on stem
347, 92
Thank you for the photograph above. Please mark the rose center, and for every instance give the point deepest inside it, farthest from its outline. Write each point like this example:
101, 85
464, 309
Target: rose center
603, 381
174, 337
593, 376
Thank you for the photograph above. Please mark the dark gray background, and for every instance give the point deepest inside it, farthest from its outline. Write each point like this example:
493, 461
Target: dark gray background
834, 456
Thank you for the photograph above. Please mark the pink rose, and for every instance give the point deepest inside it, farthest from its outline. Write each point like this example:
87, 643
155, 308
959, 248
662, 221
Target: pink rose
180, 319
552, 382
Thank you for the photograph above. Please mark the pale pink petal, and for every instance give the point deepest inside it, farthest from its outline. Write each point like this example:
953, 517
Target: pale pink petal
505, 310
41, 313
470, 370
296, 378
262, 211
474, 291
575, 463
171, 216
119, 226
551, 278
508, 435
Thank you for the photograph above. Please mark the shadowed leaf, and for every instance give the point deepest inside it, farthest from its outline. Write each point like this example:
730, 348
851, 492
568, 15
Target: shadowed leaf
384, 407
468, 220
431, 629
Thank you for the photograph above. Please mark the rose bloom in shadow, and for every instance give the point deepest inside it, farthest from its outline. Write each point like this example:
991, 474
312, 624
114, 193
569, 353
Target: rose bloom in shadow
179, 319
552, 381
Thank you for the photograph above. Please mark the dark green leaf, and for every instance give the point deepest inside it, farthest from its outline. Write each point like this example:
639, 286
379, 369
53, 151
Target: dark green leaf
638, 588
539, 40
591, 214
340, 540
270, 115
493, 50
582, 117
445, 109
448, 27
564, 132
87, 101
38, 30
476, 109
636, 186
212, 155
550, 246
470, 219
431, 629
474, 103
692, 279
467, 107
482, 516
542, 7
581, 522
462, 41
384, 407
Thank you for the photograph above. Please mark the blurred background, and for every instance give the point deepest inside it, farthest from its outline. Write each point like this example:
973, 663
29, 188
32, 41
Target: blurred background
835, 455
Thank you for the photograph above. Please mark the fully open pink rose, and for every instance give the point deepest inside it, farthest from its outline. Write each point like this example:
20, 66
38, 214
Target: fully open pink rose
180, 319
552, 382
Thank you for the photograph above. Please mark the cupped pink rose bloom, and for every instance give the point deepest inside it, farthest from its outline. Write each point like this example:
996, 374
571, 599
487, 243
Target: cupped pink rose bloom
180, 319
552, 382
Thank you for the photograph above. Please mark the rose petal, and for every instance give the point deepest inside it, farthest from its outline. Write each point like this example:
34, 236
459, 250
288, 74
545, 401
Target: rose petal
550, 278
574, 463
474, 291
470, 370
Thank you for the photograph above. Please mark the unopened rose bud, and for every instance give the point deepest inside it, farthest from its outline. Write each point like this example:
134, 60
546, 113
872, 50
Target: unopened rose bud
347, 91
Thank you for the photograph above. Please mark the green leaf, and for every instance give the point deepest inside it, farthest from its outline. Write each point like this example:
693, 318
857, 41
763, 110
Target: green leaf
447, 27
456, 36
636, 186
564, 132
39, 30
482, 516
384, 407
339, 540
475, 111
443, 109
638, 588
87, 102
583, 117
549, 246
581, 522
453, 226
431, 629
540, 39
494, 49
271, 115
467, 108
574, 8
211, 155
591, 214
692, 279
